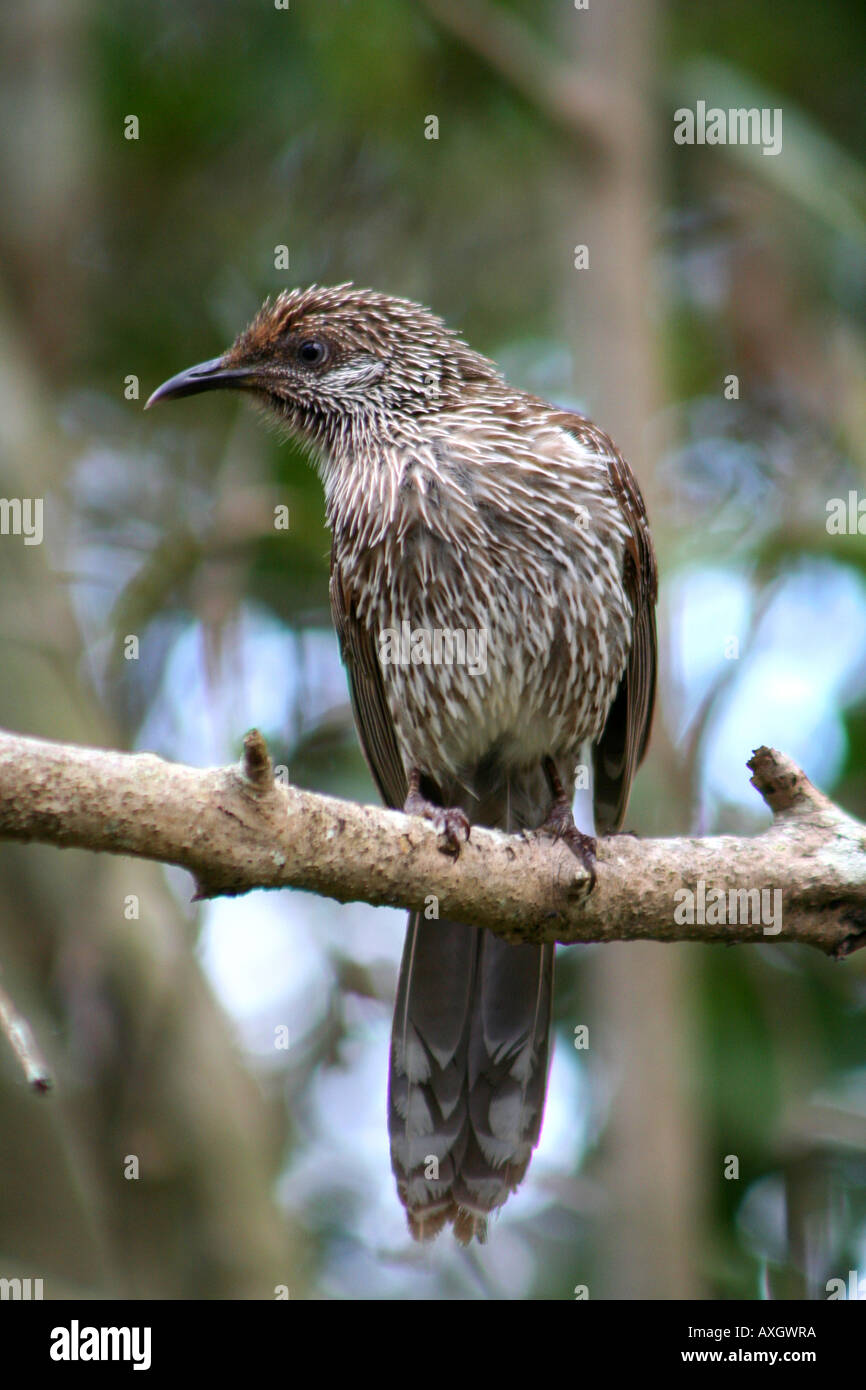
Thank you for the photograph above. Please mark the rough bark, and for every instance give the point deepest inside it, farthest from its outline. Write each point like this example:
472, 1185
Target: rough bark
236, 829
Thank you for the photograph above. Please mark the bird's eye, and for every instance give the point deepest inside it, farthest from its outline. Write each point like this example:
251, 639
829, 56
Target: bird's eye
312, 352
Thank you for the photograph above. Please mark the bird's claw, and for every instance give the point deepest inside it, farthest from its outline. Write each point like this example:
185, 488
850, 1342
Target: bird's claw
448, 821
560, 825
583, 847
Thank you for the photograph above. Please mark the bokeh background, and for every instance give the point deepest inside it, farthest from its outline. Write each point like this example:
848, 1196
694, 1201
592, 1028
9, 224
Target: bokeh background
305, 128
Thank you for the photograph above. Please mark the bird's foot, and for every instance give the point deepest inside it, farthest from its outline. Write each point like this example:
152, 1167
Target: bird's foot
560, 826
449, 821
560, 823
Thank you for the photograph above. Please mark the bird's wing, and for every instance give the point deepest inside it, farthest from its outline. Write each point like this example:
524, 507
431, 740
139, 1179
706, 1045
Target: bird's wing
470, 1041
372, 715
625, 735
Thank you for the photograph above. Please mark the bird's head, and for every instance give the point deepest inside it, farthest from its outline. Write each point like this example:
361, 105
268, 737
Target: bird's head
321, 356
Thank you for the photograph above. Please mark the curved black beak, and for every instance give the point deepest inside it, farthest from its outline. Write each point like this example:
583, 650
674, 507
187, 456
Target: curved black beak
207, 376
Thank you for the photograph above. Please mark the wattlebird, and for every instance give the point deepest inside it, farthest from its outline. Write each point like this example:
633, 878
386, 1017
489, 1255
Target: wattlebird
493, 585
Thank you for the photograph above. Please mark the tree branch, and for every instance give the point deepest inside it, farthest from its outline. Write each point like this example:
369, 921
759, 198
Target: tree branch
803, 879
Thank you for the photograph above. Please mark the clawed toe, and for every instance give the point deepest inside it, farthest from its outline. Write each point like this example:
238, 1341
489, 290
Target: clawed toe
448, 821
451, 823
560, 826
583, 847
559, 822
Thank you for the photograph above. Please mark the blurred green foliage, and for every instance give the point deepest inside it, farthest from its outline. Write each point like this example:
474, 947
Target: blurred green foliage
305, 128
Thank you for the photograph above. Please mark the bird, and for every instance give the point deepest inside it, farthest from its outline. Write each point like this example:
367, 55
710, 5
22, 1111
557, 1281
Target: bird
493, 585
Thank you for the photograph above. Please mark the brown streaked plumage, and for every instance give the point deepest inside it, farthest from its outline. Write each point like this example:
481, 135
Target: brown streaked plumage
493, 585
